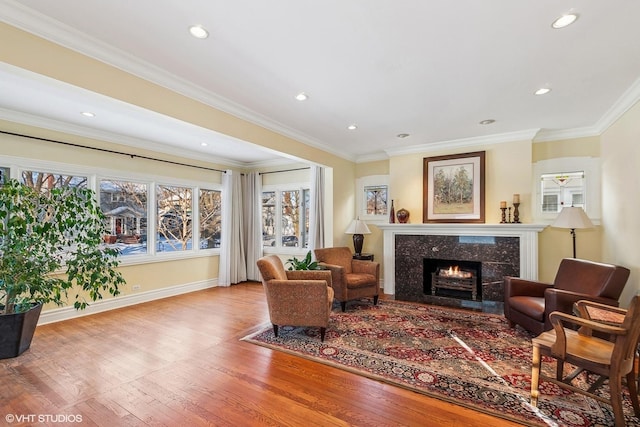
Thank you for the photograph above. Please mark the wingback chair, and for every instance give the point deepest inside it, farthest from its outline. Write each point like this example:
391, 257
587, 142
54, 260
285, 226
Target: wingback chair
297, 297
528, 303
350, 278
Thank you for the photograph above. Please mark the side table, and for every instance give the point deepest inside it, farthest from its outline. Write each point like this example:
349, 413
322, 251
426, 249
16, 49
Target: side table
363, 257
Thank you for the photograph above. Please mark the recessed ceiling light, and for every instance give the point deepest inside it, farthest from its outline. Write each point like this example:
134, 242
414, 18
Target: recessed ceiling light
302, 96
402, 135
198, 31
352, 127
542, 91
564, 20
203, 144
87, 114
487, 122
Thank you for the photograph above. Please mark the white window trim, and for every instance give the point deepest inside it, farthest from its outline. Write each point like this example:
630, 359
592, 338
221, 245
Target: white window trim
361, 204
592, 185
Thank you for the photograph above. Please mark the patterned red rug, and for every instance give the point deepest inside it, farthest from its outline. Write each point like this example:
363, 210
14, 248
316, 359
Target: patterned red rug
468, 358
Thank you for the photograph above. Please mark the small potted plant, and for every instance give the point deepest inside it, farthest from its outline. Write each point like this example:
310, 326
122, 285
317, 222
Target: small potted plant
51, 251
303, 264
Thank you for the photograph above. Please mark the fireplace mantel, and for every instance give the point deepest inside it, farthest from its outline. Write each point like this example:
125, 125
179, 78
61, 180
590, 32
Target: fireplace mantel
527, 234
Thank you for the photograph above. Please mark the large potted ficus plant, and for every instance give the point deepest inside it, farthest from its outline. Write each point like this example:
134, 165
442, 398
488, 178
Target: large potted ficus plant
51, 251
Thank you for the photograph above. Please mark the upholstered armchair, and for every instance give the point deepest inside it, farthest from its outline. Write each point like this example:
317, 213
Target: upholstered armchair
298, 297
528, 303
350, 278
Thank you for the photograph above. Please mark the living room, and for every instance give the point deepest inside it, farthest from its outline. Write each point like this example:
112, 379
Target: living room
511, 162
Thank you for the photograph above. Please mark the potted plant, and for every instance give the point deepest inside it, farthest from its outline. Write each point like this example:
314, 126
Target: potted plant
303, 264
51, 251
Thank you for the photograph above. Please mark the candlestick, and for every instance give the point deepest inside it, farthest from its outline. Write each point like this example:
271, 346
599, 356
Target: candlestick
509, 214
516, 213
504, 218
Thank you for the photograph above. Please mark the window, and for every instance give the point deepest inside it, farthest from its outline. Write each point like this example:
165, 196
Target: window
124, 204
562, 189
285, 218
568, 181
372, 198
210, 205
174, 224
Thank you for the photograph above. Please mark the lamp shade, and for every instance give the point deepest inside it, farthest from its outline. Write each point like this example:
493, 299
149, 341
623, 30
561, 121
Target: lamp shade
358, 227
572, 217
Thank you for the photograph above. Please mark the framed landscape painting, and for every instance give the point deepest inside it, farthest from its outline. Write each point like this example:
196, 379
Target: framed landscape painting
454, 188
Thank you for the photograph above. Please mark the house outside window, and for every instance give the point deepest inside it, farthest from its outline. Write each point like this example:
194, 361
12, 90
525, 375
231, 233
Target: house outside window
124, 204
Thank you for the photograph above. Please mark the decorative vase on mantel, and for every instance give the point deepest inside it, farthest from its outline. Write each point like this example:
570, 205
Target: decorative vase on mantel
392, 214
403, 216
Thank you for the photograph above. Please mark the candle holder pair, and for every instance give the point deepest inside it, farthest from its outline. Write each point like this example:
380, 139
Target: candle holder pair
516, 214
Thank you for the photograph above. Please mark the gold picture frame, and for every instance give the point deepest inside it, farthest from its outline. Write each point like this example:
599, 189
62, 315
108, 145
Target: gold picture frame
453, 188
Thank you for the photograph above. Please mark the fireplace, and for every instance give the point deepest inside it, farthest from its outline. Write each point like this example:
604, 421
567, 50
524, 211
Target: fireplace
499, 249
452, 278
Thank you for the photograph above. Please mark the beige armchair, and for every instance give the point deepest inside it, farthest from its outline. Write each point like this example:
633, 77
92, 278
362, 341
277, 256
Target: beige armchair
350, 278
298, 297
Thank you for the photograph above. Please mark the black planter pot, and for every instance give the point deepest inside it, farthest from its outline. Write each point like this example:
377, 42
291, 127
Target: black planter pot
16, 331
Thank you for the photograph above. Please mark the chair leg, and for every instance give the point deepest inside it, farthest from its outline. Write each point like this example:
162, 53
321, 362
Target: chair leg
275, 330
535, 375
343, 304
322, 332
633, 392
375, 300
616, 400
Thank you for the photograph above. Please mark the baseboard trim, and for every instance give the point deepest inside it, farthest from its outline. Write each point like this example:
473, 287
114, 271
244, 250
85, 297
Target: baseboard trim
66, 313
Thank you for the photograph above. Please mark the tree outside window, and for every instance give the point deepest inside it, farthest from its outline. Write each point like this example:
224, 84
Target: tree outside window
174, 221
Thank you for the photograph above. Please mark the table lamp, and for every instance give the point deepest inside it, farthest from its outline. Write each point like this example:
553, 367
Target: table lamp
358, 229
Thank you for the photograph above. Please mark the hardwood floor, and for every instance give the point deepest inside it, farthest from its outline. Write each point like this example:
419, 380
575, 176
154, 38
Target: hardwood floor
179, 362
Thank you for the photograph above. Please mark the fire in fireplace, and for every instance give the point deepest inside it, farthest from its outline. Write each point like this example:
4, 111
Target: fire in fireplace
453, 278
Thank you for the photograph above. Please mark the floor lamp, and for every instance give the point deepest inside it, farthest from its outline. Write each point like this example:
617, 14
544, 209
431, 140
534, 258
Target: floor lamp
358, 229
572, 218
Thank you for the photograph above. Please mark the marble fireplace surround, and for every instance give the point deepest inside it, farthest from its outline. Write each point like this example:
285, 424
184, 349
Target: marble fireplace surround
515, 252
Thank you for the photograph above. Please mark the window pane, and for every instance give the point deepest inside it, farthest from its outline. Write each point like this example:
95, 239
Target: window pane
124, 205
562, 189
269, 218
44, 181
210, 219
4, 175
376, 199
175, 228
305, 220
291, 218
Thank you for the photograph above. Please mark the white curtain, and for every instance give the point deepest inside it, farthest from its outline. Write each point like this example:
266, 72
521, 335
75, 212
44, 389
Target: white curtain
316, 208
232, 259
252, 203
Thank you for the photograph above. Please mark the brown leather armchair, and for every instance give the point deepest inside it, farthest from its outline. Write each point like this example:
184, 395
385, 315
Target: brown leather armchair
350, 278
528, 303
296, 297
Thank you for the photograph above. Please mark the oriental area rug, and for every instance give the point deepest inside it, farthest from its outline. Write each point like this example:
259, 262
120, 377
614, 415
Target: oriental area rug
468, 358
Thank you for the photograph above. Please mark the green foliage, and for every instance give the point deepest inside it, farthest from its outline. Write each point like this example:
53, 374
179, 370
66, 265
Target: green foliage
50, 245
303, 264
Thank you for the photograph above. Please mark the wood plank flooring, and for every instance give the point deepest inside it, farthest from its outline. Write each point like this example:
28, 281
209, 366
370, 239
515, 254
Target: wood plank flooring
179, 362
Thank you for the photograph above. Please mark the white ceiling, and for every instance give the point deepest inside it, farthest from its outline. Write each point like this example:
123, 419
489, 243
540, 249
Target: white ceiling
432, 69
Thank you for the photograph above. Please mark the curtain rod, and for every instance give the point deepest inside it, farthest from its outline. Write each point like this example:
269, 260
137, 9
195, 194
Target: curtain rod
112, 151
286, 170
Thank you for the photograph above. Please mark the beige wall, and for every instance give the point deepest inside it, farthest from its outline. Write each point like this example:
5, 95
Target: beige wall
620, 146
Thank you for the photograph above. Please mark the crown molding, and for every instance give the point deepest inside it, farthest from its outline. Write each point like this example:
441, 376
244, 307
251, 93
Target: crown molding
525, 135
58, 126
